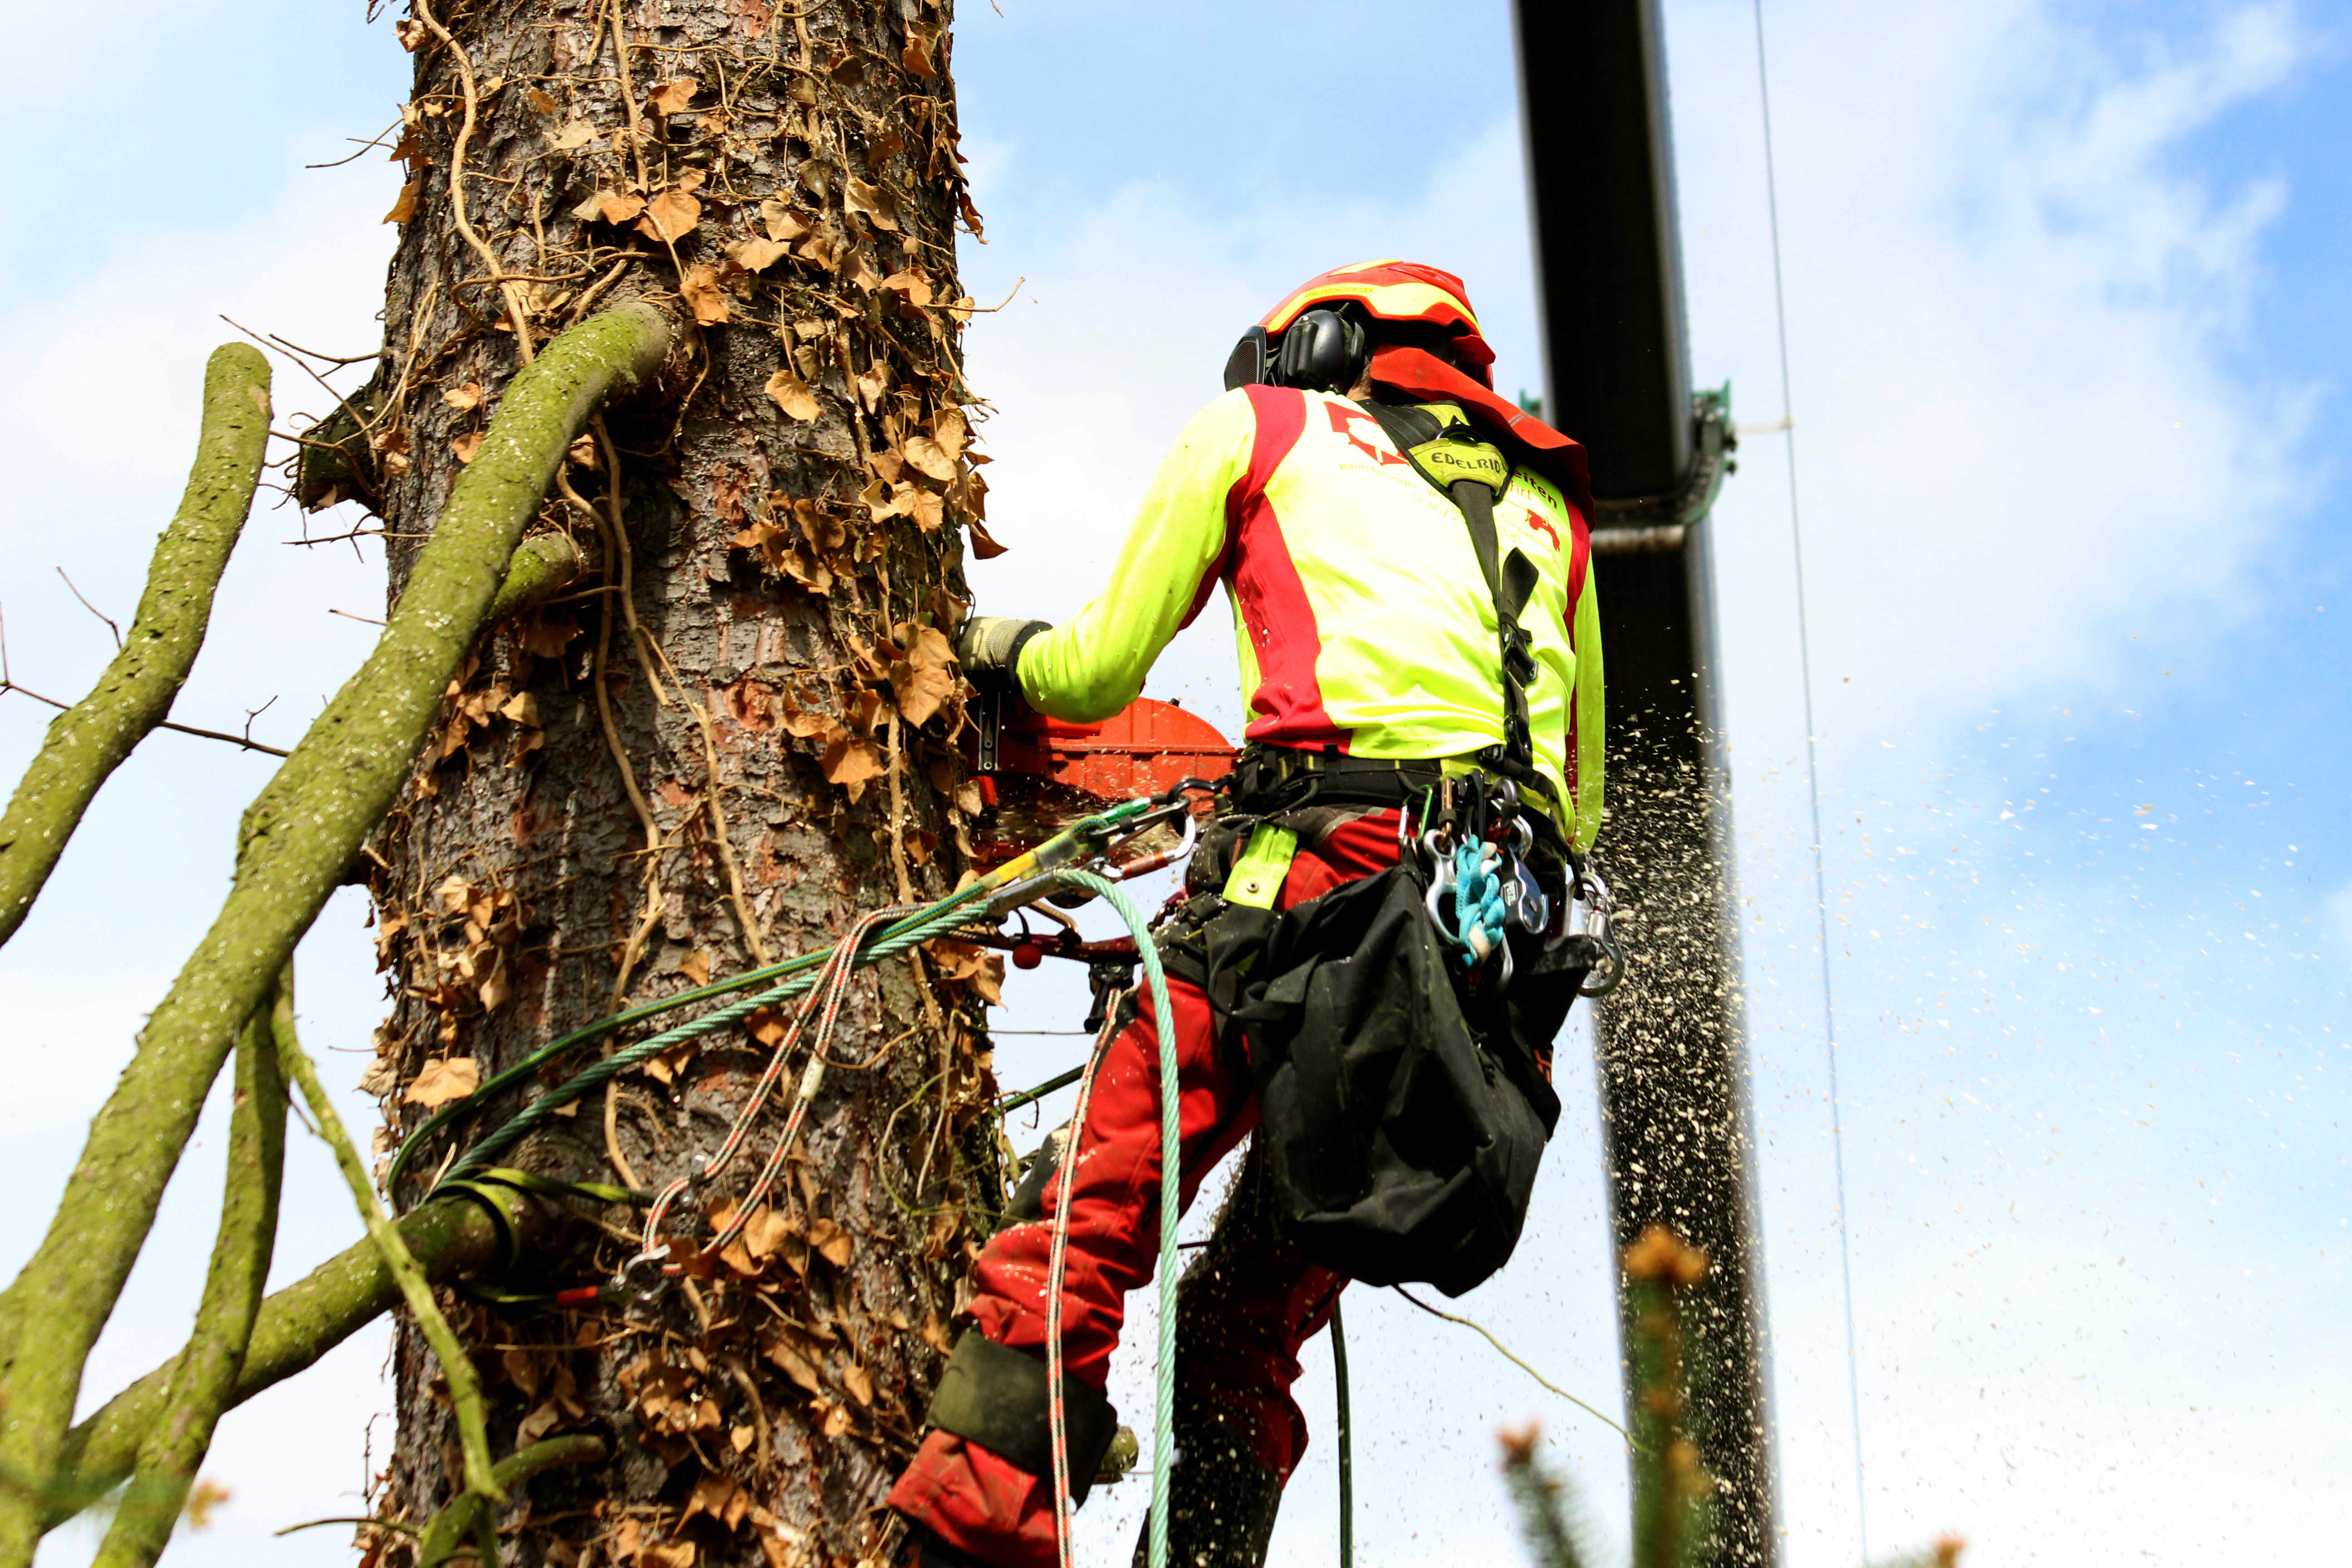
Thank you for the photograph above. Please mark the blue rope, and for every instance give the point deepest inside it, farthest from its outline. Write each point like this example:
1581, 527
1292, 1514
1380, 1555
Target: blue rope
1478, 912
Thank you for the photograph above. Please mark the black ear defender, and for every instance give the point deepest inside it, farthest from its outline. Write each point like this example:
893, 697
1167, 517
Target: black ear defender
1322, 351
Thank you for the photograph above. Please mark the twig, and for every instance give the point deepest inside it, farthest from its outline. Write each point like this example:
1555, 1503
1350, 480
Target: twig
1516, 1361
391, 1524
457, 1366
93, 609
992, 310
752, 940
515, 311
338, 361
364, 620
375, 140
247, 741
628, 95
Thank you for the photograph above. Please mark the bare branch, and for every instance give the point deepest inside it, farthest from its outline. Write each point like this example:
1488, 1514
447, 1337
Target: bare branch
91, 738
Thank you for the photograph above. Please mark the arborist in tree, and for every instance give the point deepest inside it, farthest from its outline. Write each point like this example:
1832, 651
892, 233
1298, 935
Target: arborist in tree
1374, 954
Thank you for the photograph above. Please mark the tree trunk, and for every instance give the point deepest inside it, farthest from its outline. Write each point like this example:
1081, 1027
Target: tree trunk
733, 736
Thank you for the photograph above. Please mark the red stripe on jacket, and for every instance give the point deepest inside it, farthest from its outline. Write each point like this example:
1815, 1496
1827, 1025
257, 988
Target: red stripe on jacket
1274, 609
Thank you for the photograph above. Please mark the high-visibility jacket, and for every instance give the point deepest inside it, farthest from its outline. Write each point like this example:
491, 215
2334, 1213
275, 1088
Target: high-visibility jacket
1360, 618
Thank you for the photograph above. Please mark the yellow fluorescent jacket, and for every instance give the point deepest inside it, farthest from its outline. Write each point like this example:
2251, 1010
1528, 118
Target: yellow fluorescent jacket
1361, 619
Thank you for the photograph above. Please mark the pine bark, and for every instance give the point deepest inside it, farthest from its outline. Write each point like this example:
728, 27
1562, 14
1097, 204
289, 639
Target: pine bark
734, 734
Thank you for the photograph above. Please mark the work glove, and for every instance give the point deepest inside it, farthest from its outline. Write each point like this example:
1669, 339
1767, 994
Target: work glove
989, 649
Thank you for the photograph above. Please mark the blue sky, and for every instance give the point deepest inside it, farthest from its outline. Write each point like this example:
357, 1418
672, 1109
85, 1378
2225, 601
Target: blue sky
2066, 321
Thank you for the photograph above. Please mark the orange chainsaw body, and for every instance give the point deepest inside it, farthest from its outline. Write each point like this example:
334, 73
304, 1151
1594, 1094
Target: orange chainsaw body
1051, 771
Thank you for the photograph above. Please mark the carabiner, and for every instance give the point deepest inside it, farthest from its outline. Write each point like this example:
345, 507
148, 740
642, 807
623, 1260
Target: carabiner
644, 1279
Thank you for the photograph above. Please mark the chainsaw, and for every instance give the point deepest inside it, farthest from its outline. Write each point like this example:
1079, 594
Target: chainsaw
1037, 775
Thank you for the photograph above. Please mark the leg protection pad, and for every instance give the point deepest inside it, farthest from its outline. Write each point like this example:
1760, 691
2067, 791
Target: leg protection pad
996, 1396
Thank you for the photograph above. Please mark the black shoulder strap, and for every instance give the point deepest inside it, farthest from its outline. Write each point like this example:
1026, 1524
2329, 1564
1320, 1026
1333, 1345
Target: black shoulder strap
1510, 583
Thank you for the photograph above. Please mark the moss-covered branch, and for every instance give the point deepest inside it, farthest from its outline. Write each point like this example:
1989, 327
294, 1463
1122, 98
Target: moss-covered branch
89, 741
445, 1535
300, 835
448, 1238
457, 1366
543, 567
205, 1380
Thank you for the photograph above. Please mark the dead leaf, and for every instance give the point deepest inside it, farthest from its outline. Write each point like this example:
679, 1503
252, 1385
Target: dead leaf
928, 457
781, 223
793, 395
463, 397
918, 59
837, 1422
493, 992
523, 708
741, 1439
621, 205
950, 430
698, 287
852, 763
859, 1381
696, 966
831, 1242
757, 255
403, 206
670, 217
910, 284
872, 383
929, 511
443, 1079
572, 137
540, 102
672, 97
923, 682
984, 547
464, 448
669, 1554
790, 1362
871, 202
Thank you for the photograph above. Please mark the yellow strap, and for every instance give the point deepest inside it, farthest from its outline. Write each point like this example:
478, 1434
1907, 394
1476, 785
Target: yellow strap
1257, 875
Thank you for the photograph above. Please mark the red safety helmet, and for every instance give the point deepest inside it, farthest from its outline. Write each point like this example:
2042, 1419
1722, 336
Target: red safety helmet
1401, 292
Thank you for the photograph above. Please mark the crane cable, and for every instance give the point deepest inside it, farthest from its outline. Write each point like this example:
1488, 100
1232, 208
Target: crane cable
1813, 794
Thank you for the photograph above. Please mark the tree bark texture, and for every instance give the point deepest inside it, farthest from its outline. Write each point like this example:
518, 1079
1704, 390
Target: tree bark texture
731, 737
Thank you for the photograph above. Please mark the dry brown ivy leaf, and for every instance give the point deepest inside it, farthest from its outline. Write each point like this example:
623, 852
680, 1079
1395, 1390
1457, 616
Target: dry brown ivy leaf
540, 102
757, 255
464, 448
983, 546
463, 397
698, 287
671, 215
403, 206
926, 456
572, 137
872, 383
618, 207
920, 52
910, 284
870, 202
443, 1079
852, 763
672, 97
793, 395
781, 223
924, 680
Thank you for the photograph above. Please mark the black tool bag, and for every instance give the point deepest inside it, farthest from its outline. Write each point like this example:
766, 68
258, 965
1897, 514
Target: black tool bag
1403, 1114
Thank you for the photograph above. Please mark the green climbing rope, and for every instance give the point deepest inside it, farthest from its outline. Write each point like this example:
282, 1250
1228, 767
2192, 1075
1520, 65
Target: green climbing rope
1082, 838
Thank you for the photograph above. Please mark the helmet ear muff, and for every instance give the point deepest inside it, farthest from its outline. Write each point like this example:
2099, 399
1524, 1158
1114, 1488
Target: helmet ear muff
1249, 364
1322, 351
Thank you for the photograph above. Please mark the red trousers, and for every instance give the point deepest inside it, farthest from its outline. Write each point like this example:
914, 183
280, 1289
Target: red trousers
1269, 1300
